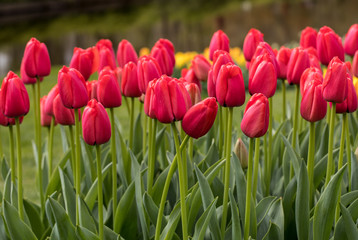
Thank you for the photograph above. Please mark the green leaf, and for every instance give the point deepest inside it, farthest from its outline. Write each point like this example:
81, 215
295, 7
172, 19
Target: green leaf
320, 169
263, 207
124, 165
159, 185
152, 209
302, 203
273, 232
275, 215
54, 183
17, 228
3, 234
138, 131
350, 226
123, 208
64, 139
84, 234
324, 211
172, 224
349, 197
340, 228
235, 227
33, 213
69, 196
295, 158
4, 168
203, 222
86, 219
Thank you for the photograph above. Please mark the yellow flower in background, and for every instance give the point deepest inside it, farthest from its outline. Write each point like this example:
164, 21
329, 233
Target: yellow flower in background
183, 59
144, 51
324, 70
238, 56
355, 83
206, 53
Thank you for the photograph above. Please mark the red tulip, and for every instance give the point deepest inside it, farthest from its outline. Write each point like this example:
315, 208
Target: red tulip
106, 60
14, 99
147, 70
49, 100
72, 88
64, 115
194, 92
25, 78
108, 90
36, 59
255, 122
335, 81
84, 61
262, 76
96, 127
45, 118
252, 40
126, 53
211, 84
200, 118
105, 43
329, 45
351, 103
201, 67
220, 58
282, 57
313, 106
118, 73
310, 74
190, 77
298, 63
308, 38
230, 88
163, 52
263, 48
351, 40
149, 99
92, 89
355, 64
129, 84
5, 121
219, 41
314, 61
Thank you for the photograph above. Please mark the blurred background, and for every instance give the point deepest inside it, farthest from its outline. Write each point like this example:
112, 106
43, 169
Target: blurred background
189, 24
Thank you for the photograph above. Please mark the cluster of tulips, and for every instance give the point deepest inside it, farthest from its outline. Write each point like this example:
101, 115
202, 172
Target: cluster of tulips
169, 100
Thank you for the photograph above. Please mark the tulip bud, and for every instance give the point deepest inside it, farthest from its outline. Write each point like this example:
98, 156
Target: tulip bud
252, 40
199, 119
263, 48
262, 76
126, 53
49, 100
92, 89
105, 43
163, 52
25, 78
283, 57
314, 61
310, 74
351, 103
147, 70
241, 152
335, 81
106, 60
351, 40
129, 84
255, 122
201, 67
329, 45
45, 118
5, 121
14, 98
308, 38
194, 92
313, 106
108, 90
298, 63
355, 64
96, 127
219, 41
72, 88
149, 99
171, 100
36, 59
220, 58
83, 61
190, 77
64, 115
230, 88
211, 84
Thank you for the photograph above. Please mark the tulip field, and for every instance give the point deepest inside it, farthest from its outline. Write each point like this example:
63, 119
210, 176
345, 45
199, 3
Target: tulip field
238, 142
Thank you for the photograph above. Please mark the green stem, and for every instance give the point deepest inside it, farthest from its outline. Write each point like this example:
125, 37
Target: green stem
34, 95
225, 119
191, 149
151, 162
184, 158
39, 146
114, 161
283, 100
182, 176
131, 130
269, 160
310, 162
227, 171
19, 170
78, 164
295, 120
127, 105
50, 144
12, 155
221, 131
172, 169
330, 163
248, 191
1, 149
256, 168
100, 193
328, 113
73, 153
145, 124
348, 149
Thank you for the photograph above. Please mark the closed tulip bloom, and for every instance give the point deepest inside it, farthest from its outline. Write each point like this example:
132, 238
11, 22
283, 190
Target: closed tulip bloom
108, 90
106, 60
255, 122
201, 67
92, 89
219, 41
308, 38
263, 48
241, 152
5, 121
105, 43
96, 127
252, 40
262, 76
282, 57
351, 103
163, 52
147, 70
194, 92
220, 58
64, 115
36, 59
45, 118
313, 106
72, 88
329, 45
351, 40
230, 88
14, 98
335, 81
126, 53
355, 64
84, 61
211, 84
49, 100
298, 63
200, 118
149, 99
190, 77
310, 74
25, 78
314, 61
171, 100
129, 84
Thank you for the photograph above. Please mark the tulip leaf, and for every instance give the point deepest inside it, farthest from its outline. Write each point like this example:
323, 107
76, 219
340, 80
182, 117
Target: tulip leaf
302, 203
69, 196
54, 183
235, 227
273, 232
86, 219
263, 207
350, 226
152, 209
7, 188
354, 176
18, 229
33, 213
84, 234
123, 208
349, 197
324, 214
3, 234
4, 168
88, 163
124, 166
275, 215
340, 231
203, 222
159, 185
295, 158
320, 169
64, 139
172, 224
138, 131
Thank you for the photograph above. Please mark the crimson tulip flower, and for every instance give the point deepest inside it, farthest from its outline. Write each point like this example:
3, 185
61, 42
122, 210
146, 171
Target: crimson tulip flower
130, 84
219, 41
64, 115
126, 53
329, 45
252, 40
49, 100
298, 63
313, 106
310, 74
147, 70
84, 61
108, 90
308, 38
163, 52
350, 104
45, 118
201, 67
283, 57
351, 40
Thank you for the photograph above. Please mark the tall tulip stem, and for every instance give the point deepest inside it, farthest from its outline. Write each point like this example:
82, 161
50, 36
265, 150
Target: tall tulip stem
221, 131
100, 193
283, 100
73, 153
182, 176
50, 144
19, 170
227, 170
151, 163
269, 159
114, 161
330, 163
248, 191
163, 199
310, 162
348, 149
256, 168
131, 130
12, 155
39, 144
144, 143
295, 120
78, 164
